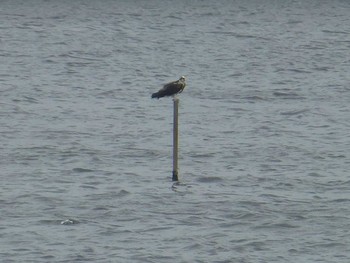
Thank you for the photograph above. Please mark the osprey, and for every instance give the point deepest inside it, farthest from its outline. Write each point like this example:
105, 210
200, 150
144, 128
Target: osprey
171, 88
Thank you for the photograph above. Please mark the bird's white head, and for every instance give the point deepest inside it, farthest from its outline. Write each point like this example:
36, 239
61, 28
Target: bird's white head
182, 79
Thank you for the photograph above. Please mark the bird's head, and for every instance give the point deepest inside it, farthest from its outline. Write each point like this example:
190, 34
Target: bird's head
183, 79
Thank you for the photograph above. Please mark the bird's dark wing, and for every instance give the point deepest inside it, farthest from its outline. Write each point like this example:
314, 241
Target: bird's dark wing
171, 84
169, 89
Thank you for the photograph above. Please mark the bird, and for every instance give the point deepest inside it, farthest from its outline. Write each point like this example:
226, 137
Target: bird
171, 88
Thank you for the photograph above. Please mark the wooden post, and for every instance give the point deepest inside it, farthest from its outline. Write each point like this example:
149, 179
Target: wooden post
176, 139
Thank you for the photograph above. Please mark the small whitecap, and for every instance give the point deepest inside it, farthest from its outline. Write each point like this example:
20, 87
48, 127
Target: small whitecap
69, 222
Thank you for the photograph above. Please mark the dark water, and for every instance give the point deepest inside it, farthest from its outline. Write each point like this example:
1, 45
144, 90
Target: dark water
264, 131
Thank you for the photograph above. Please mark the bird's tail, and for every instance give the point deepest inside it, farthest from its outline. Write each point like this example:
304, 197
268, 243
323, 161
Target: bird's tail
155, 95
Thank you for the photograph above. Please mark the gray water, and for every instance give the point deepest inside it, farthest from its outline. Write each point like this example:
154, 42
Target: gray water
86, 155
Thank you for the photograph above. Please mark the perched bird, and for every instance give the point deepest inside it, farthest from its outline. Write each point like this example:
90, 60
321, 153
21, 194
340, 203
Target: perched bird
171, 88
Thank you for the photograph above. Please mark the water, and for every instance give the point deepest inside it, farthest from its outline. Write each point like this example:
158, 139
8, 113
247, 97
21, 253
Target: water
264, 131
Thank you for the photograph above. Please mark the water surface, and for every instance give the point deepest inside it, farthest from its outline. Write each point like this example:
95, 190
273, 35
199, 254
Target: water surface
264, 131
